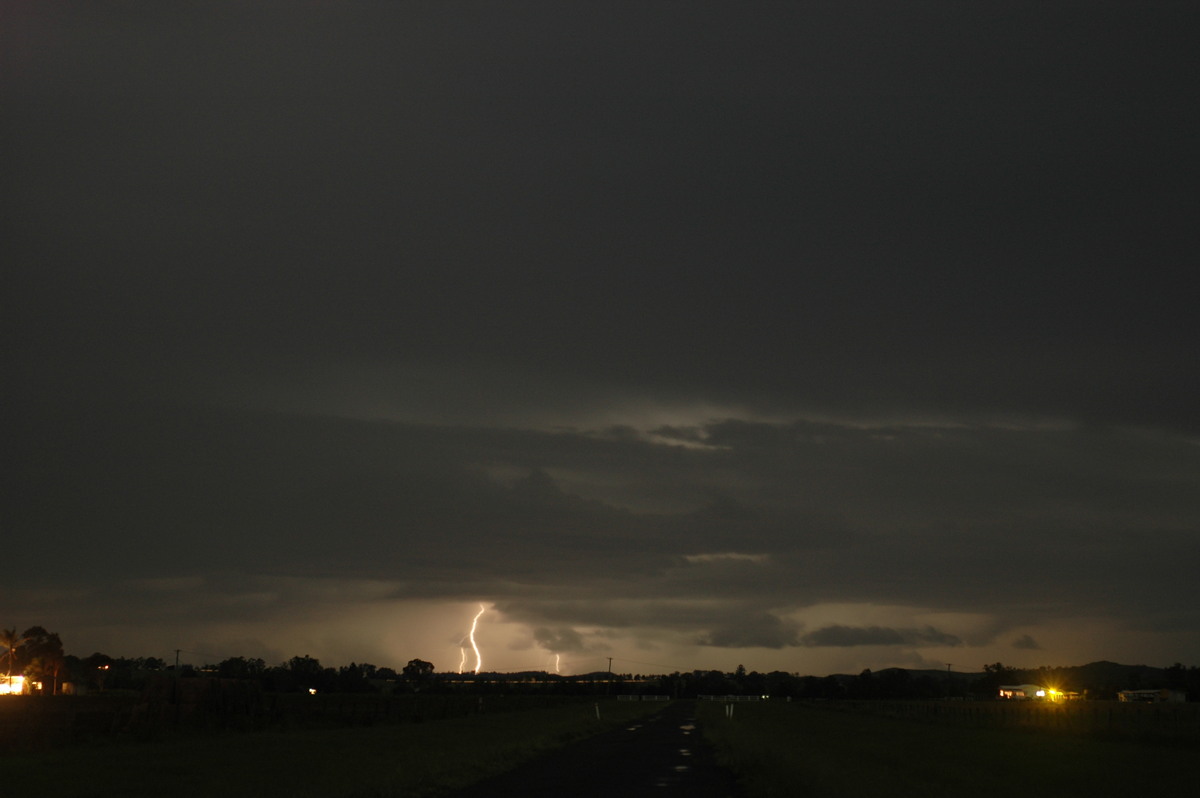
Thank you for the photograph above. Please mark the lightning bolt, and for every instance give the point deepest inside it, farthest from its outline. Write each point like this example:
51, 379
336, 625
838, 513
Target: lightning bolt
556, 662
471, 635
462, 658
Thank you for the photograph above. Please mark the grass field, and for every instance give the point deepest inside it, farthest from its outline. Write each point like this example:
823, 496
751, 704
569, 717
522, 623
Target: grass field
796, 750
412, 759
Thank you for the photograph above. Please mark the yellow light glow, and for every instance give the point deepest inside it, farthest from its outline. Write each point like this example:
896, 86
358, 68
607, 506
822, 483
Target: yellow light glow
12, 685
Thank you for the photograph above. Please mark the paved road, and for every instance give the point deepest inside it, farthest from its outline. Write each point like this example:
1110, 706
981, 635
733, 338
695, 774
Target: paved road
661, 755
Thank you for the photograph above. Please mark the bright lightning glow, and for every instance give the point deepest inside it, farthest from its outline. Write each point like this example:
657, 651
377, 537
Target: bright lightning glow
557, 658
462, 659
471, 635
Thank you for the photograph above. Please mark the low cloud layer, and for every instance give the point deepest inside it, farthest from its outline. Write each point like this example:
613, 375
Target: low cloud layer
256, 518
878, 636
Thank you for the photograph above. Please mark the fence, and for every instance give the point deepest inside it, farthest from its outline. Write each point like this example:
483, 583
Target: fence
39, 722
1169, 721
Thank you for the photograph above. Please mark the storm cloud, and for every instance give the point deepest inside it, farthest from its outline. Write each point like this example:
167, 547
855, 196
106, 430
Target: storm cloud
804, 336
877, 636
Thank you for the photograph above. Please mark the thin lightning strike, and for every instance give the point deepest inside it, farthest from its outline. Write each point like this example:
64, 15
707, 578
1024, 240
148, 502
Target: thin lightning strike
556, 662
462, 658
471, 635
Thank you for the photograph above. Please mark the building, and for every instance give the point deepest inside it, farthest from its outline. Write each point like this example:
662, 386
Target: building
1035, 692
13, 685
1153, 696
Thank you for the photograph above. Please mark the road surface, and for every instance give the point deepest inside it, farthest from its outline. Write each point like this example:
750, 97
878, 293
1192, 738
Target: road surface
661, 755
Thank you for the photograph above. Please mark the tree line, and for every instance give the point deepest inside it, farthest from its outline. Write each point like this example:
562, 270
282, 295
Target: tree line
38, 655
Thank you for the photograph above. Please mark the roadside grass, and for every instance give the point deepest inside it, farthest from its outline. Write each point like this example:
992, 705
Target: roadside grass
794, 750
416, 759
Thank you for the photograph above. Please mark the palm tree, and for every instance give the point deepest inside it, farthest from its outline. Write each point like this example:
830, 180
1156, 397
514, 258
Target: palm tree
11, 640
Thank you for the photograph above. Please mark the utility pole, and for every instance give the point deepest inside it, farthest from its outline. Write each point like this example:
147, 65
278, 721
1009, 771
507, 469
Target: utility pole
175, 687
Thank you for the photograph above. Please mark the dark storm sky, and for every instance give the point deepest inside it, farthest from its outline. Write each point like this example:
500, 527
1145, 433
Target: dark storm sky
819, 335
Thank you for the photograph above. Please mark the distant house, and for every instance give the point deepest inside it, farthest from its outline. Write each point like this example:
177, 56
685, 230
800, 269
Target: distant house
12, 685
1035, 692
1153, 696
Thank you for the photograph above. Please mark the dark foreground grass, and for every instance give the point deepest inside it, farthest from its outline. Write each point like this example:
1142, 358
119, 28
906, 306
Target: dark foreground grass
793, 750
420, 759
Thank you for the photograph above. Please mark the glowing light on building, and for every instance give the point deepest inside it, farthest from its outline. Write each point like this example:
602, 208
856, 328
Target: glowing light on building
12, 685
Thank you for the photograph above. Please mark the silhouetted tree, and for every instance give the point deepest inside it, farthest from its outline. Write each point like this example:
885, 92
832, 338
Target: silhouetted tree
305, 673
862, 686
97, 667
352, 678
780, 684
711, 683
994, 675
10, 641
41, 657
1177, 677
753, 683
418, 674
241, 668
675, 685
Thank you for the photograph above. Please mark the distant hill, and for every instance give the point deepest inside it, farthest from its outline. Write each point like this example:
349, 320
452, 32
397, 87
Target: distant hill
931, 673
1111, 675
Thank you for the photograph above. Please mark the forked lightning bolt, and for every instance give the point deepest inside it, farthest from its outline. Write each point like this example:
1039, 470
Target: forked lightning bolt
471, 635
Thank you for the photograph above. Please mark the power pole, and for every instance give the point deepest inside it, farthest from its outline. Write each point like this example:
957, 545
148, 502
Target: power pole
175, 687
